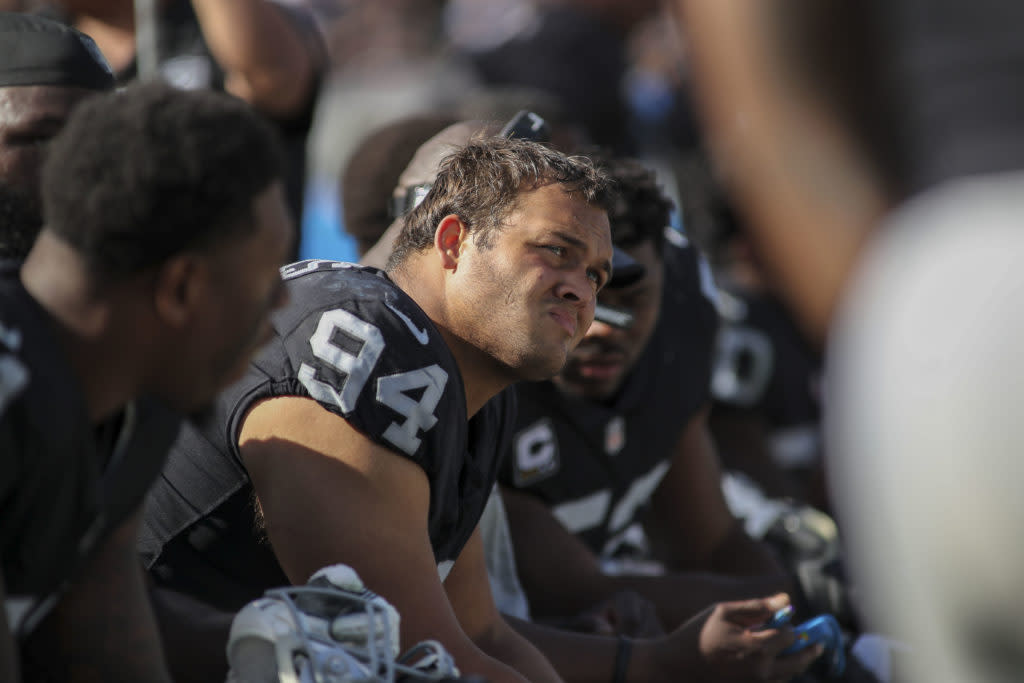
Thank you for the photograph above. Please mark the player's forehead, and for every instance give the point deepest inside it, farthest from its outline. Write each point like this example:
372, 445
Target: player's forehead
553, 210
37, 105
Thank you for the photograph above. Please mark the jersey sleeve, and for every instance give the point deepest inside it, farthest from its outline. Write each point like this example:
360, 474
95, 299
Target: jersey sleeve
365, 351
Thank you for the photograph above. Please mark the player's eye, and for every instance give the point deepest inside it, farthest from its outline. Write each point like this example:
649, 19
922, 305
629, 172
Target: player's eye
556, 249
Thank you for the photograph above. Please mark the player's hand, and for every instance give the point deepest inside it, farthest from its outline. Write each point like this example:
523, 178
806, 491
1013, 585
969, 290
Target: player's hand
726, 644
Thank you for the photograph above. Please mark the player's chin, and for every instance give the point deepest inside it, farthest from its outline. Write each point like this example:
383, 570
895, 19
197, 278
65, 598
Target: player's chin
589, 388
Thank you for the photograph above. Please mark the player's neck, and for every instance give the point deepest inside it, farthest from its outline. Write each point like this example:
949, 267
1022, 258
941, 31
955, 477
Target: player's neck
482, 376
482, 379
98, 342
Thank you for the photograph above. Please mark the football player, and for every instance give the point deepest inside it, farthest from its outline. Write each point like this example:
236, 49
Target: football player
47, 70
611, 463
369, 431
146, 291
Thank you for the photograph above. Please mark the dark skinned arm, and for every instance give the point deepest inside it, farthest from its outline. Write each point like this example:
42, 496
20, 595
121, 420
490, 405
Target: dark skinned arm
103, 629
194, 634
562, 577
691, 526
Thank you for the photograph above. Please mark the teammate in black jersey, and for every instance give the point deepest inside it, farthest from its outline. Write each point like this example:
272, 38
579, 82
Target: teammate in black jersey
47, 69
619, 438
766, 381
146, 292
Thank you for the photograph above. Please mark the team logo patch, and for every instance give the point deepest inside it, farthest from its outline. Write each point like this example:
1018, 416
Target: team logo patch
536, 453
615, 435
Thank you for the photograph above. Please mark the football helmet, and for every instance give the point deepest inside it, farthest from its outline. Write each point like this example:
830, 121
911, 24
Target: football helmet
332, 630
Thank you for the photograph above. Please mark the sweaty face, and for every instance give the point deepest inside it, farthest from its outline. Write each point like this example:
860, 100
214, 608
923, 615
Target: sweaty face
29, 117
600, 364
246, 289
527, 299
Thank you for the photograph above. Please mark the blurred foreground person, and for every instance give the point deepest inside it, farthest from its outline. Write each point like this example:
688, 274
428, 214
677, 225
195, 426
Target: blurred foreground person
145, 293
877, 151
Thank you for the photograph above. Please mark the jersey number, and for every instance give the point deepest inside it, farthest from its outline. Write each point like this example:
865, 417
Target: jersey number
393, 391
743, 365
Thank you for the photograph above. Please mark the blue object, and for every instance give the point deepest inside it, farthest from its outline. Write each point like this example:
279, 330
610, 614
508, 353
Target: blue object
323, 236
825, 630
780, 618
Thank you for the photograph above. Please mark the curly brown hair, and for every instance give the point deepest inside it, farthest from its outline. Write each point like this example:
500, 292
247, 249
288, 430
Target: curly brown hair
641, 209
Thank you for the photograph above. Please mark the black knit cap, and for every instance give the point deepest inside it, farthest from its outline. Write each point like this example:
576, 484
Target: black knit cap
39, 51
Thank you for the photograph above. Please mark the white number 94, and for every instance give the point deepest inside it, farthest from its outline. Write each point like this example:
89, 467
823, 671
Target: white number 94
392, 390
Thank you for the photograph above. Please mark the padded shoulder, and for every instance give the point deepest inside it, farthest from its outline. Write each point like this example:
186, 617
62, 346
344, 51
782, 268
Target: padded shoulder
363, 349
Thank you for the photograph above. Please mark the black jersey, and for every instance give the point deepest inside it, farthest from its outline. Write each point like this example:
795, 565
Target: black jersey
357, 344
596, 464
65, 483
764, 365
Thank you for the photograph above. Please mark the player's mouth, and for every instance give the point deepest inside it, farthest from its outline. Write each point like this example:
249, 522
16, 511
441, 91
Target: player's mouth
597, 360
600, 367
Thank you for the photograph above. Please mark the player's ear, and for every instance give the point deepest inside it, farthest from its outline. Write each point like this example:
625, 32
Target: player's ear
448, 239
180, 284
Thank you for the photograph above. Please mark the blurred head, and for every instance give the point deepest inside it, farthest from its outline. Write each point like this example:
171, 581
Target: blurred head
46, 68
371, 173
638, 217
416, 179
521, 232
176, 195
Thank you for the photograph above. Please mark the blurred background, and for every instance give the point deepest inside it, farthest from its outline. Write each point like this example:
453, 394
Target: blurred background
608, 71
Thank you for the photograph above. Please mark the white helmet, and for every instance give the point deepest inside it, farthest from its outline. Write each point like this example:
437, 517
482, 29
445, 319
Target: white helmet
332, 630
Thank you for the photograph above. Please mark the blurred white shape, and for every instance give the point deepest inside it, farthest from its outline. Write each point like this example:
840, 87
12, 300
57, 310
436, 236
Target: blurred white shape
926, 414
478, 25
